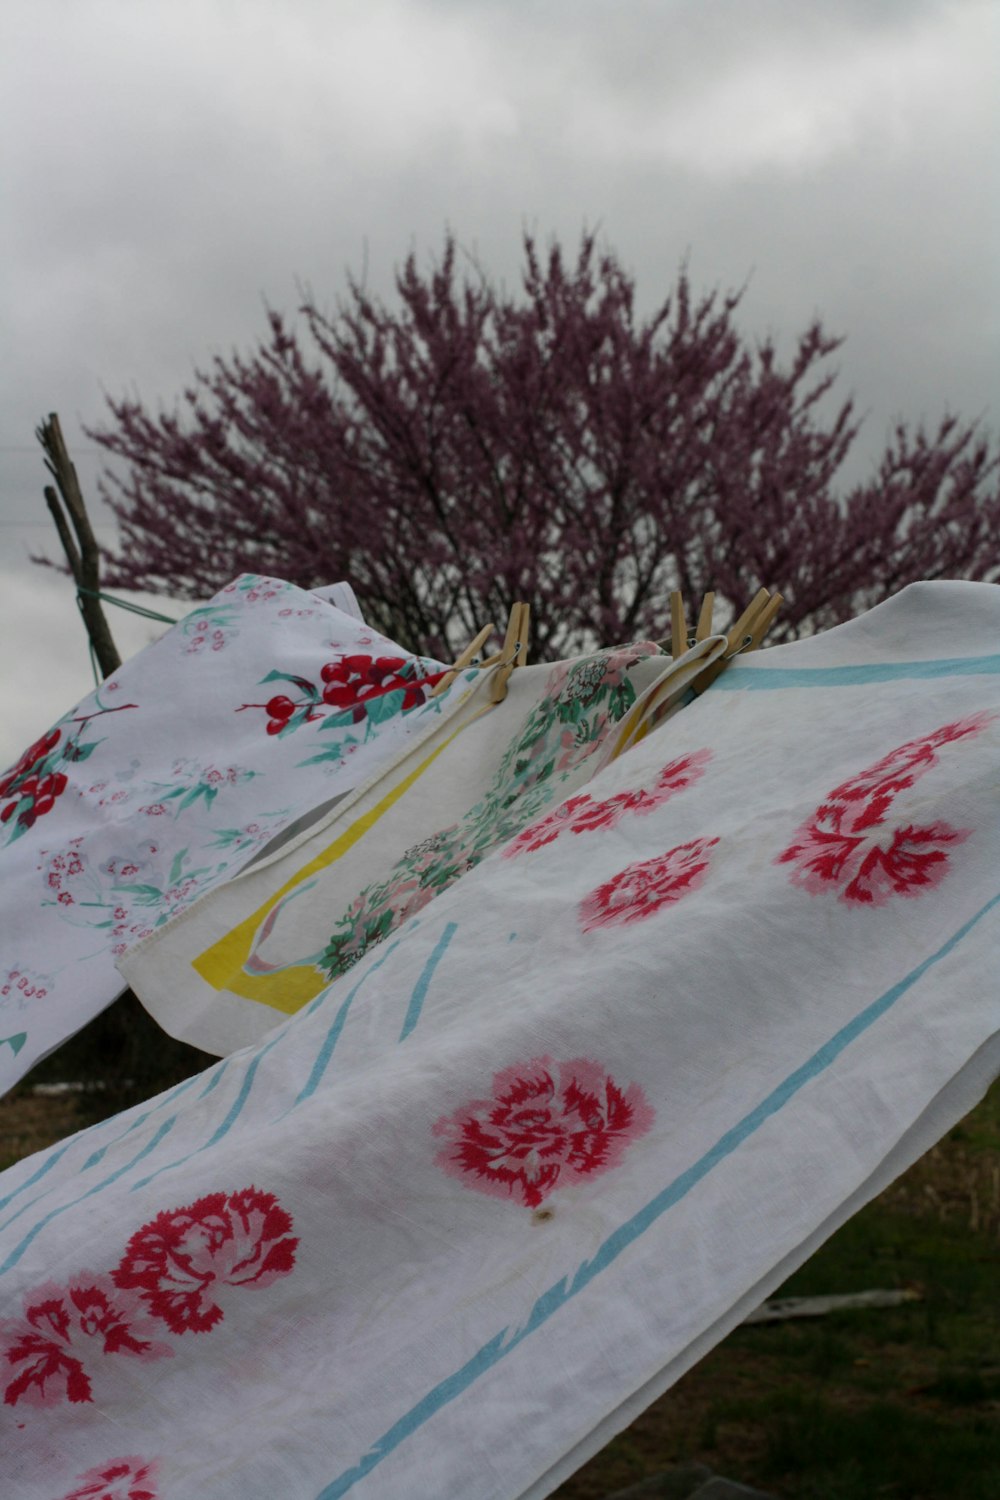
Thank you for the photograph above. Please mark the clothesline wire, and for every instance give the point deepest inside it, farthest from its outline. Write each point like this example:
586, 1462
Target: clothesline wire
135, 609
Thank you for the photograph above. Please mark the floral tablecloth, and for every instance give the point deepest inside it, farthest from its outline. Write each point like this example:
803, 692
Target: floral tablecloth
236, 963
452, 1226
255, 709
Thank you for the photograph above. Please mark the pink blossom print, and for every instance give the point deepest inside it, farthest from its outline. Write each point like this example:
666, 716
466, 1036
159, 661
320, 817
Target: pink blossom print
179, 1259
585, 814
546, 1124
855, 847
51, 1353
643, 888
127, 1478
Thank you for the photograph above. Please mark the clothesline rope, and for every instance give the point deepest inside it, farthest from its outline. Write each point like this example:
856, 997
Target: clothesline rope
135, 609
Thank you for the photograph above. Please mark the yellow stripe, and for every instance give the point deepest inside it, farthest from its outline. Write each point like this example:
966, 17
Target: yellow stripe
221, 965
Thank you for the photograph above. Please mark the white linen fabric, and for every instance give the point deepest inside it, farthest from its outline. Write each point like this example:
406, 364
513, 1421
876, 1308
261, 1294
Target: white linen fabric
257, 708
227, 971
452, 1226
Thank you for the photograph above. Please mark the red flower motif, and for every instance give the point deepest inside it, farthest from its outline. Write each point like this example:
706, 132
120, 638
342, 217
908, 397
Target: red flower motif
63, 1326
850, 842
877, 786
352, 680
127, 1478
582, 814
547, 1124
177, 1259
872, 866
544, 830
642, 888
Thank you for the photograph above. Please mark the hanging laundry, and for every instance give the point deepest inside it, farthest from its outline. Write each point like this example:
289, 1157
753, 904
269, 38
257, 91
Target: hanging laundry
256, 709
238, 962
456, 1223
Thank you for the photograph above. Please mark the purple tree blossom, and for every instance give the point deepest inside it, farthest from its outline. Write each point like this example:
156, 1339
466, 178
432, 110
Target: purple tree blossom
469, 446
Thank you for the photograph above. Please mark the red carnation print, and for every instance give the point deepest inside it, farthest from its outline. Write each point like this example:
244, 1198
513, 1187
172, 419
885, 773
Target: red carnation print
853, 845
874, 865
642, 888
544, 830
584, 814
881, 783
546, 1125
50, 1352
178, 1260
127, 1478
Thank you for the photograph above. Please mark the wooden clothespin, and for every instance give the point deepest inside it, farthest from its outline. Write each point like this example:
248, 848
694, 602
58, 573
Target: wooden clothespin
678, 625
464, 659
515, 649
747, 634
704, 627
680, 638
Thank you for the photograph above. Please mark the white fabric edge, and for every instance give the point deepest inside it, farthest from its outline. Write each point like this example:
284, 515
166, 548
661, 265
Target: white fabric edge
961, 1094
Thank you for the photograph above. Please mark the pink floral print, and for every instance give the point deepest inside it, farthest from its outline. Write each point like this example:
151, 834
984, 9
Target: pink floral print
644, 887
177, 1260
547, 1124
48, 1355
585, 814
126, 1478
854, 846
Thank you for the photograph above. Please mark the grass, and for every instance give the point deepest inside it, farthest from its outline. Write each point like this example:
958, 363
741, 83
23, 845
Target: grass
881, 1404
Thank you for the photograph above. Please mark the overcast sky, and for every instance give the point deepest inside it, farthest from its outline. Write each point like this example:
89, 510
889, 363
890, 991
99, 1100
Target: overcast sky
170, 165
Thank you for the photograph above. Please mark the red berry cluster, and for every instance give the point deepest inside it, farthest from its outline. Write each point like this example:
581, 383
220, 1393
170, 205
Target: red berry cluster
353, 679
279, 711
21, 785
31, 757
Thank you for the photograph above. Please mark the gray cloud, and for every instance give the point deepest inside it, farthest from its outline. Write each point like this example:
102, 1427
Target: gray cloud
168, 166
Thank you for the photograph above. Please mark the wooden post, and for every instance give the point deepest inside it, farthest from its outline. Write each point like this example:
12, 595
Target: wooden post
82, 553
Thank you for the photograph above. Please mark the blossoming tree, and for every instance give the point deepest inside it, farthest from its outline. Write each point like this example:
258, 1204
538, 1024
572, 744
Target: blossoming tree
469, 446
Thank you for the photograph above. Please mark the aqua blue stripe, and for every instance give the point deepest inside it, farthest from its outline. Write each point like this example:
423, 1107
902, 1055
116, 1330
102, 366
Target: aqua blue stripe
423, 983
97, 1156
557, 1295
745, 677
235, 1110
15, 1255
28, 1182
178, 1089
333, 1035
